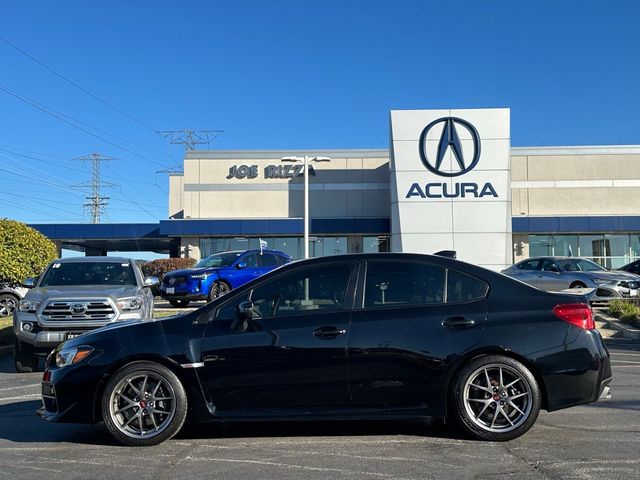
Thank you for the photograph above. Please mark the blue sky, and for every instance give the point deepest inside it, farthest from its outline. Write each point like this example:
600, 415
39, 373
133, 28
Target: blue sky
290, 74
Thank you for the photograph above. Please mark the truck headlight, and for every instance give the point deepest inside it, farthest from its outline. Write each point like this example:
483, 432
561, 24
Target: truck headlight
71, 355
130, 303
28, 306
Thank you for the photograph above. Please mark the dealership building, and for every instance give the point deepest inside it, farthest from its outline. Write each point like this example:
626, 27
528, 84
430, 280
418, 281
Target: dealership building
450, 180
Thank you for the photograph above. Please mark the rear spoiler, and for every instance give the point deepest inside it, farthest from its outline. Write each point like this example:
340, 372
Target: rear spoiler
446, 253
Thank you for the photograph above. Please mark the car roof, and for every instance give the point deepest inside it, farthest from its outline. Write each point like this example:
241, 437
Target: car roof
94, 260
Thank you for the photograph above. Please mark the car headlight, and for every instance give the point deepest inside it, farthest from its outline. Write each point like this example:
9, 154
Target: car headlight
130, 303
199, 276
600, 281
28, 306
71, 355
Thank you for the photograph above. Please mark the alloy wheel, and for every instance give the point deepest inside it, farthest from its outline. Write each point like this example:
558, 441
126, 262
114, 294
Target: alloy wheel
497, 398
142, 405
7, 306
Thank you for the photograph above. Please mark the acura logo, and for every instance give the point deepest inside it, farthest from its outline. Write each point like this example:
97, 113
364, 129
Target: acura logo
449, 139
172, 280
78, 308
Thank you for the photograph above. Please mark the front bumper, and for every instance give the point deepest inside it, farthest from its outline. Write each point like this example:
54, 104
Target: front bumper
69, 394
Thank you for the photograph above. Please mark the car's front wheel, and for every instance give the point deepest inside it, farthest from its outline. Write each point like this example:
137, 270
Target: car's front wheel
495, 398
144, 404
8, 304
218, 288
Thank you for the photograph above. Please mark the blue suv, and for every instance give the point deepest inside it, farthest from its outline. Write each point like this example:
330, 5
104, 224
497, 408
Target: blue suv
217, 274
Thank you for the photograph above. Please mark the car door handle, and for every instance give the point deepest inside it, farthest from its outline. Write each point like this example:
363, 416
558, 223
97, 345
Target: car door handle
458, 322
213, 358
328, 332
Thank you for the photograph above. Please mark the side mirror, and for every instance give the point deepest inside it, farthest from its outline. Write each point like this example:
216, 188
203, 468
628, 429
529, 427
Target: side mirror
244, 314
151, 281
29, 282
241, 265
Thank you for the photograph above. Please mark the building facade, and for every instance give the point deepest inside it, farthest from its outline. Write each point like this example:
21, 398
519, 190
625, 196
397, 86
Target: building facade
450, 180
558, 201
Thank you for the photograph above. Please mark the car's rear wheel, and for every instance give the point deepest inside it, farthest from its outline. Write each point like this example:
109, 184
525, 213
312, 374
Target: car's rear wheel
218, 288
495, 398
24, 362
143, 404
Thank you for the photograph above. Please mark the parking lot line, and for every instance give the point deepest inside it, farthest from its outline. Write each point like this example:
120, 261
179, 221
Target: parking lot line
22, 386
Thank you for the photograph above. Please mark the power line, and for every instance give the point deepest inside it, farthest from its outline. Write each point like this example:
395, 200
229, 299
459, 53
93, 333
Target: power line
71, 82
59, 115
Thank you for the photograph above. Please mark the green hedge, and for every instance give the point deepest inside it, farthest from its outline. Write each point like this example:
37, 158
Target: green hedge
162, 266
625, 311
24, 252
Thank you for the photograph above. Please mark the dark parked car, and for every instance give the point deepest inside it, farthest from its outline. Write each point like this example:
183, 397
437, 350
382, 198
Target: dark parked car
218, 274
633, 267
355, 336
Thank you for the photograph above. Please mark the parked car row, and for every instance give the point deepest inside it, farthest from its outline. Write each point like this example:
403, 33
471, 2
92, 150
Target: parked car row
560, 273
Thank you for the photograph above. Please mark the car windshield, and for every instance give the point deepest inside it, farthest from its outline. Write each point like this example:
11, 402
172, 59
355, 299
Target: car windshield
580, 265
219, 260
86, 273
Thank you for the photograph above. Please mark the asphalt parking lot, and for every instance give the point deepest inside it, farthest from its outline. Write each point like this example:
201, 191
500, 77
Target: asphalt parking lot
599, 441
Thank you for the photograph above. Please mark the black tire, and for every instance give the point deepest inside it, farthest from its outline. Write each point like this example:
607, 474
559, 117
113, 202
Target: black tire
24, 362
577, 285
170, 388
8, 304
180, 303
481, 407
218, 288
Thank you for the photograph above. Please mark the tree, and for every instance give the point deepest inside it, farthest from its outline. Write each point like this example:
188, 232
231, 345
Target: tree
24, 252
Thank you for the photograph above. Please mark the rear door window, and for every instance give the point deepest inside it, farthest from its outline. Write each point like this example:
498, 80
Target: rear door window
394, 283
268, 260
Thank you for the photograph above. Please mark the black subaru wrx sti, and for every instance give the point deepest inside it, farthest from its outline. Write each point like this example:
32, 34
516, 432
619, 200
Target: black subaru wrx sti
354, 336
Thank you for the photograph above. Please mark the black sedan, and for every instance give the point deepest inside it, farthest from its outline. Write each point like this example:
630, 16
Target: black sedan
353, 337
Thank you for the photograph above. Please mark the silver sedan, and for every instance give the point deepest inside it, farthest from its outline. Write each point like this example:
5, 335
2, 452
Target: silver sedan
560, 273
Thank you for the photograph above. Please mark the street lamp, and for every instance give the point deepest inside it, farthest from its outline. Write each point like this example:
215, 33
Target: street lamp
305, 160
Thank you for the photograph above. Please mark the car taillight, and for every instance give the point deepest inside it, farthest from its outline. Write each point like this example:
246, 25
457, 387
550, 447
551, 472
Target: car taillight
577, 314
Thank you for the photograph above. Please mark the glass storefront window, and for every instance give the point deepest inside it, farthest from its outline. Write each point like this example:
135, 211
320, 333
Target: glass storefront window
540, 245
617, 250
378, 243
565, 245
592, 247
288, 245
318, 246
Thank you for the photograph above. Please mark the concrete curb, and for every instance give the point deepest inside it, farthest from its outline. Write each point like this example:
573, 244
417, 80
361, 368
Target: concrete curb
626, 330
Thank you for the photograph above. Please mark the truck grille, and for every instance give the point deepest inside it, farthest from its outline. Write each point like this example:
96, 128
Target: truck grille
82, 310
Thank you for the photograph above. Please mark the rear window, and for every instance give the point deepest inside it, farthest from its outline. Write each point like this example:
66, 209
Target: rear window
464, 288
84, 273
